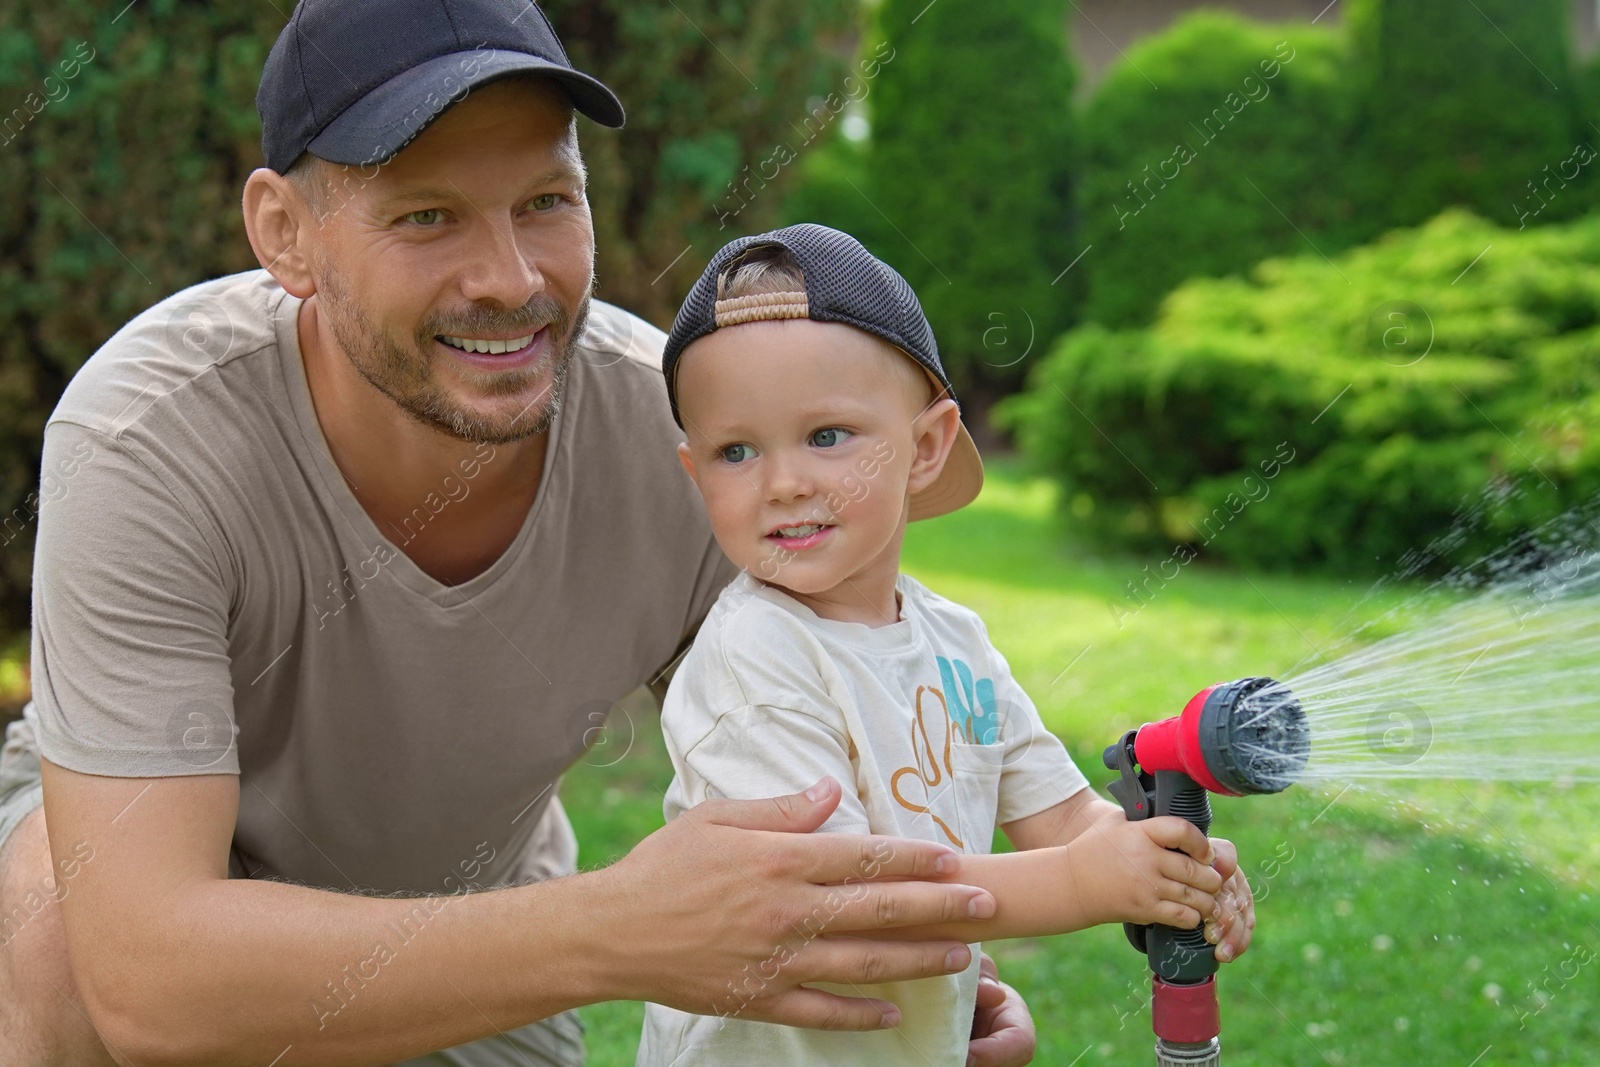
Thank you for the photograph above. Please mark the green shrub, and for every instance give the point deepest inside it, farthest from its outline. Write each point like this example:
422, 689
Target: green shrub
1400, 398
1198, 146
970, 166
1417, 106
832, 190
1477, 106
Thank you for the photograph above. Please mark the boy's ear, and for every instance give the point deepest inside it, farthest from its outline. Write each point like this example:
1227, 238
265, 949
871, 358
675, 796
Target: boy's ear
933, 434
685, 458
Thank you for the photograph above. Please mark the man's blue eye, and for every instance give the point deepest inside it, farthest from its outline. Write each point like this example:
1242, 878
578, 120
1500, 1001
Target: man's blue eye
425, 217
545, 201
737, 453
829, 437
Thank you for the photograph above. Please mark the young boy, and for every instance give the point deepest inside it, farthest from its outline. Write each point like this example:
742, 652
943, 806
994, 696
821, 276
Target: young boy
819, 420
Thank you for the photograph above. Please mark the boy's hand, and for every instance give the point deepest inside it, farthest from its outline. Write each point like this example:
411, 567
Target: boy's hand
1127, 872
1234, 920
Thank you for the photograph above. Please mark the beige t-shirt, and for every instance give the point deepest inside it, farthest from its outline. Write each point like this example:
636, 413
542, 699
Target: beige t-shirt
209, 597
922, 724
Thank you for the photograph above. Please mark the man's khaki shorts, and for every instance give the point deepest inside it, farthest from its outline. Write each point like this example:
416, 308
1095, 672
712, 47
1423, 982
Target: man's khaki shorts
552, 1042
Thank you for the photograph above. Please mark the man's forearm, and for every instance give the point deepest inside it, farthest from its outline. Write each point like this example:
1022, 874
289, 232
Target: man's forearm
245, 971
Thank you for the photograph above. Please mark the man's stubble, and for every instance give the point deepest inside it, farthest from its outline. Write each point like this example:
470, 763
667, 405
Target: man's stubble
405, 374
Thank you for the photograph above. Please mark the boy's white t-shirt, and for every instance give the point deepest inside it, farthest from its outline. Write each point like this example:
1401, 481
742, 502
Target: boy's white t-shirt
921, 723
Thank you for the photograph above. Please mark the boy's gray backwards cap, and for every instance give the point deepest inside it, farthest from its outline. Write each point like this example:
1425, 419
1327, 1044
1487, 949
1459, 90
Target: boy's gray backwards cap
845, 284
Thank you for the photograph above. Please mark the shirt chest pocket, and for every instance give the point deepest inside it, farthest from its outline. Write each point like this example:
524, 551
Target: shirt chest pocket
975, 770
951, 784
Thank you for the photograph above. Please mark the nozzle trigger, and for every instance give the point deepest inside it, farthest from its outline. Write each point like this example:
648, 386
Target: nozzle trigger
1131, 789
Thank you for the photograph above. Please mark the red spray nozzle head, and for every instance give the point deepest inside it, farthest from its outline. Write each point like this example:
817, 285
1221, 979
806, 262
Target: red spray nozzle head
1239, 738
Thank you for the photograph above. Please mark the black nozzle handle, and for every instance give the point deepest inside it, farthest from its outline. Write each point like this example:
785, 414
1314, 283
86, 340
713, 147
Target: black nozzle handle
1178, 956
1181, 956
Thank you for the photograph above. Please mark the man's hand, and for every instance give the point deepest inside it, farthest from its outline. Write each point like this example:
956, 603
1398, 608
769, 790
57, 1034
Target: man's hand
1234, 921
730, 907
1002, 1028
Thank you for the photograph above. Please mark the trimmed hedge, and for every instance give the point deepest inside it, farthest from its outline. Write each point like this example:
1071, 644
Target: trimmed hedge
966, 184
1477, 106
1251, 127
1339, 414
1275, 139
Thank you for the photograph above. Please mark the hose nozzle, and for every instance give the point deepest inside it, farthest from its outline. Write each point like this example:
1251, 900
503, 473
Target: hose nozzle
1239, 738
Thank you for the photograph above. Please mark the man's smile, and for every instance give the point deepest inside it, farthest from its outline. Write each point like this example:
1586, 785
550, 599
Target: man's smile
498, 353
493, 346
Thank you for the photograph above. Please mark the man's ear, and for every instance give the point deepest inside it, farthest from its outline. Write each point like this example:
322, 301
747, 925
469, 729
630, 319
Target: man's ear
277, 220
687, 459
933, 434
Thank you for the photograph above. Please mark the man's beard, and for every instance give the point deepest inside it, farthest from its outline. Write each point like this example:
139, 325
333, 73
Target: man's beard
405, 374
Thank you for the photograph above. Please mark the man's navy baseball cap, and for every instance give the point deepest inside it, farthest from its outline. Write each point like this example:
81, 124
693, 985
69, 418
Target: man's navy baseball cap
353, 81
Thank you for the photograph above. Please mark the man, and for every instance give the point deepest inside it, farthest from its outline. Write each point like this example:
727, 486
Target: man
349, 554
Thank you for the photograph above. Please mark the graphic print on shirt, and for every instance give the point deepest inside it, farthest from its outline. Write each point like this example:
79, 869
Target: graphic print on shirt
968, 713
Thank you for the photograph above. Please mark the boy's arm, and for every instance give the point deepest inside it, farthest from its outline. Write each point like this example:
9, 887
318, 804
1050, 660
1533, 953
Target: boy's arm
1232, 924
1080, 863
1103, 870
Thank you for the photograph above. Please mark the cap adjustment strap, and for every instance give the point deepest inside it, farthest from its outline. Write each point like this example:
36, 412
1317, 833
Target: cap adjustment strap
759, 306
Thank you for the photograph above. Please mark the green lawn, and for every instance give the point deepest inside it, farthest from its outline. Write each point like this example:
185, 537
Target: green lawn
1441, 923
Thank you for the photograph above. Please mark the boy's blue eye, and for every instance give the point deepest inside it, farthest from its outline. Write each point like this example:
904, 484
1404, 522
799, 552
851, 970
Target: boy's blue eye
737, 453
829, 437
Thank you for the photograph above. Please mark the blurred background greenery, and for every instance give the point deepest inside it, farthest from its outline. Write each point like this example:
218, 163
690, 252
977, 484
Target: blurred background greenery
1295, 298
1155, 240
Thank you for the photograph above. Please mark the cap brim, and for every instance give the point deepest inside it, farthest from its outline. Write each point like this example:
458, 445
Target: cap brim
957, 485
376, 127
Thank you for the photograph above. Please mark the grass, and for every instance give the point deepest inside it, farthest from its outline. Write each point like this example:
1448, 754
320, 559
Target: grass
1433, 923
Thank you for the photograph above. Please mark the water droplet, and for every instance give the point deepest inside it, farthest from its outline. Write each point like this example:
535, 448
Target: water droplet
1382, 943
1311, 953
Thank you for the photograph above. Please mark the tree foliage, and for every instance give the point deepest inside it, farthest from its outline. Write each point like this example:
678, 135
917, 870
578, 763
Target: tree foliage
966, 184
126, 138
1204, 152
1220, 141
1475, 106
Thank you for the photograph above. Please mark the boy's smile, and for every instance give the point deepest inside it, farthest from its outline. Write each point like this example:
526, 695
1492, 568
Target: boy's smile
806, 440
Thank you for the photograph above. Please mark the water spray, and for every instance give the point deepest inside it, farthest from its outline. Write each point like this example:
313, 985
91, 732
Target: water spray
1241, 738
